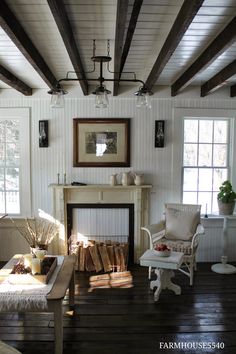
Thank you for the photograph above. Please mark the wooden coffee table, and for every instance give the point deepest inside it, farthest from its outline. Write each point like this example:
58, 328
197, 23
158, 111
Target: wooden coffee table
63, 281
164, 270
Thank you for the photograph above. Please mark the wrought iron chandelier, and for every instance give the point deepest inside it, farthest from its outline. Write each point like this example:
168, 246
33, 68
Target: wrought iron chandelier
101, 93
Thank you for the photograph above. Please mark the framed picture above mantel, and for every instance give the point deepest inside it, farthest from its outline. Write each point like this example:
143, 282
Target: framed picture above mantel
101, 142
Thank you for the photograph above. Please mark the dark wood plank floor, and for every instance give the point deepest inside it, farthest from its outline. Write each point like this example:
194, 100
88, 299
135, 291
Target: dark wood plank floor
128, 321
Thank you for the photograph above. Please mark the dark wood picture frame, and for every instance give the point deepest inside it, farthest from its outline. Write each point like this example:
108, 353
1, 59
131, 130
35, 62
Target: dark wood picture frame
101, 142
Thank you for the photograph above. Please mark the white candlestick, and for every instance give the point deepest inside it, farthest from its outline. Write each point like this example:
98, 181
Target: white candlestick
36, 266
28, 260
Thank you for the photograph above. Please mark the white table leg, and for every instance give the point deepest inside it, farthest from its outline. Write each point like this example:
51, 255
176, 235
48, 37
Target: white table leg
224, 267
157, 283
163, 281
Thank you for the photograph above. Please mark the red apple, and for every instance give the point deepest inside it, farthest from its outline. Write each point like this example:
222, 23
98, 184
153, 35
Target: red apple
161, 247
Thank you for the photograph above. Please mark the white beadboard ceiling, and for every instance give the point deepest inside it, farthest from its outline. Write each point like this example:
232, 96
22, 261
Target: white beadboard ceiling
97, 19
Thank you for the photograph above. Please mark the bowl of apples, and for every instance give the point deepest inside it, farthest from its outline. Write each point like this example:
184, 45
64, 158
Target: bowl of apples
162, 250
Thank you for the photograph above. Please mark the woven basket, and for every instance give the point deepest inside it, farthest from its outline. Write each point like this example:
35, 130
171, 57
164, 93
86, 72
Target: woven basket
226, 208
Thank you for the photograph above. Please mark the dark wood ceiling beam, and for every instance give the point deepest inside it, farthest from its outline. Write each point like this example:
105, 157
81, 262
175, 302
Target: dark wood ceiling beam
130, 32
233, 91
121, 15
223, 41
184, 18
219, 79
11, 80
17, 34
59, 13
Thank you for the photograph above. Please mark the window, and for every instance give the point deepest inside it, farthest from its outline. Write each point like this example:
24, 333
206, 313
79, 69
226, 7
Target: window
205, 160
14, 162
9, 166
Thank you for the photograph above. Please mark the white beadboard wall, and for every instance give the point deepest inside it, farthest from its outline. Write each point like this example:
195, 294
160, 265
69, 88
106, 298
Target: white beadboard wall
155, 163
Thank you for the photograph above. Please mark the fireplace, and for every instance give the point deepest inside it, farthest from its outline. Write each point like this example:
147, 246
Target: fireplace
130, 208
134, 198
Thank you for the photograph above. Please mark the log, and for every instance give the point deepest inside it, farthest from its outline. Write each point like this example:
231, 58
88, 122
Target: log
121, 280
81, 258
126, 252
89, 265
105, 259
114, 280
125, 274
99, 277
96, 258
117, 258
122, 259
111, 255
121, 283
99, 281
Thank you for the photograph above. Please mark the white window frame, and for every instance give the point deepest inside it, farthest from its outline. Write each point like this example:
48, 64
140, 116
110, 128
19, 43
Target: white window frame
23, 115
211, 167
178, 136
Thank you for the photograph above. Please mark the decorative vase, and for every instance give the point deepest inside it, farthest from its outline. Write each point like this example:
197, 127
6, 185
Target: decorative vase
127, 178
226, 208
138, 179
113, 181
33, 250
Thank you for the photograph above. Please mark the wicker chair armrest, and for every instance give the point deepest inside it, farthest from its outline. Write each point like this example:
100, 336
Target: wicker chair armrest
154, 231
199, 232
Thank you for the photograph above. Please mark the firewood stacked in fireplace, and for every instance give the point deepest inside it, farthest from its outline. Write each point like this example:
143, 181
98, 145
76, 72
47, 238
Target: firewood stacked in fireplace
101, 256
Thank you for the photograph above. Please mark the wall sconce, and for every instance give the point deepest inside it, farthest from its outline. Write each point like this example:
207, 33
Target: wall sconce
43, 133
159, 133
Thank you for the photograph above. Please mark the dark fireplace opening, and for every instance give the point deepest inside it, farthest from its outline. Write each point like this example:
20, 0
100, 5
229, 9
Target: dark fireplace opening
130, 207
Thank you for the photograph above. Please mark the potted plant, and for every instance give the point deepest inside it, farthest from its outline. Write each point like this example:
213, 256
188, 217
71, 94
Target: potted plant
226, 199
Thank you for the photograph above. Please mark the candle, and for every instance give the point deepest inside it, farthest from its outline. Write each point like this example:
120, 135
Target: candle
40, 254
28, 260
64, 178
58, 178
36, 266
206, 216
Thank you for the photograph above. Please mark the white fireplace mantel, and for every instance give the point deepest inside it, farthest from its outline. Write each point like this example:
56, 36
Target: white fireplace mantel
103, 194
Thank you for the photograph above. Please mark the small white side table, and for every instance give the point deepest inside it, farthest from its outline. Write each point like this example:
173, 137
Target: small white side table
224, 267
164, 270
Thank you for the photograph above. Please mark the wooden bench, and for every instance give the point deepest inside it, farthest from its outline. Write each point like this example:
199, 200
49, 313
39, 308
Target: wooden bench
63, 281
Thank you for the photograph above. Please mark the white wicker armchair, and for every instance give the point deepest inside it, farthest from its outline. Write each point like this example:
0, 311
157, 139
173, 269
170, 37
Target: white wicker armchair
183, 237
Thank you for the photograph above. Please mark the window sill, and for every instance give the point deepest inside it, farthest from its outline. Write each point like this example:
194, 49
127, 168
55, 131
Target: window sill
216, 221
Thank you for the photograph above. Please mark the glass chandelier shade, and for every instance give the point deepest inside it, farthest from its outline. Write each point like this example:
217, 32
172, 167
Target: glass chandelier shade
57, 97
101, 98
143, 98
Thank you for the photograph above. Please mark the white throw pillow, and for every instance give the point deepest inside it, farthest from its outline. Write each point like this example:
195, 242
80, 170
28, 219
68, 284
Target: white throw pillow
181, 225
